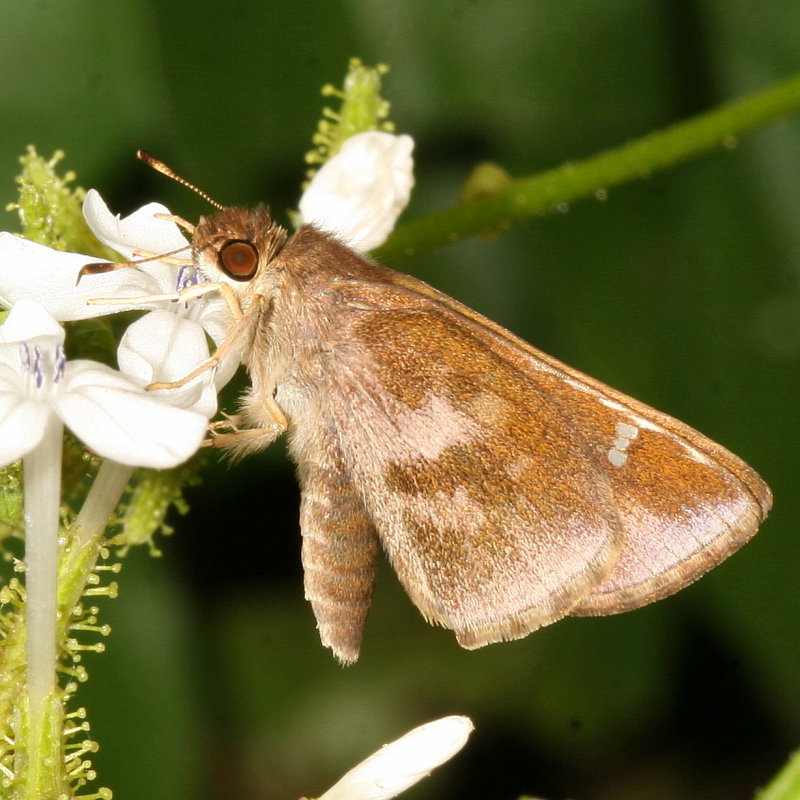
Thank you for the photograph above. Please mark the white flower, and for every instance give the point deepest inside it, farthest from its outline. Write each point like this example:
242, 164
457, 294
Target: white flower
144, 231
400, 764
360, 192
33, 271
162, 347
111, 413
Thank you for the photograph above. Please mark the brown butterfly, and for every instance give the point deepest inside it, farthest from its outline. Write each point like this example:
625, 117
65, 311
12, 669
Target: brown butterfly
507, 489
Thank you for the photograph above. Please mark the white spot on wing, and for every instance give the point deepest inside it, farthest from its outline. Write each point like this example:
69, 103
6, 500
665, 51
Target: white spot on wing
626, 430
625, 434
617, 458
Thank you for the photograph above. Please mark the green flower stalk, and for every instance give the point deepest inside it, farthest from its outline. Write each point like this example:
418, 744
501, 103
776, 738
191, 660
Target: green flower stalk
362, 109
44, 744
511, 201
50, 209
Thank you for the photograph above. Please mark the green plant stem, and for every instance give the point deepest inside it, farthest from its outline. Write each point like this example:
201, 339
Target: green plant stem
544, 192
107, 488
786, 784
36, 709
42, 772
88, 534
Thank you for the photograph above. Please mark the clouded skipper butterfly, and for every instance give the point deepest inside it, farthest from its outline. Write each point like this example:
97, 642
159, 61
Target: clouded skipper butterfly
507, 489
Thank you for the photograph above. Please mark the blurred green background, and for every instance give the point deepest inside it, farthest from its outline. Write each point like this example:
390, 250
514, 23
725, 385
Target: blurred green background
681, 290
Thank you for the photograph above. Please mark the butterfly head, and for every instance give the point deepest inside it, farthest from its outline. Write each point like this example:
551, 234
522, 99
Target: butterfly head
236, 245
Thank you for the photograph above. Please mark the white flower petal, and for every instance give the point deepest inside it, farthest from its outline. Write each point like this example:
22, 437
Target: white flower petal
162, 346
141, 230
28, 320
34, 272
123, 422
227, 367
22, 424
359, 193
23, 419
214, 317
402, 763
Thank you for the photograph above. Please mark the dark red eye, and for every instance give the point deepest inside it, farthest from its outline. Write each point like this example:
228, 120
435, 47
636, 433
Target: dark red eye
238, 259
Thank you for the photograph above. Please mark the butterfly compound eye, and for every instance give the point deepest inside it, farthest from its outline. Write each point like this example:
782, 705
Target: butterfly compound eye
238, 259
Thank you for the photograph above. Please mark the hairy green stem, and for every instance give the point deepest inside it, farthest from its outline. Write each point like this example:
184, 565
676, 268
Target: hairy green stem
107, 488
88, 531
542, 193
38, 713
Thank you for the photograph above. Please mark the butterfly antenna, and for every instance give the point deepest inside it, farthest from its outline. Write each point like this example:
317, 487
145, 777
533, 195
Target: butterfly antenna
160, 166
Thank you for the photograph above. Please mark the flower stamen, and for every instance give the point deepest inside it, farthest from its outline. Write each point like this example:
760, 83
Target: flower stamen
36, 366
188, 276
24, 357
38, 372
60, 363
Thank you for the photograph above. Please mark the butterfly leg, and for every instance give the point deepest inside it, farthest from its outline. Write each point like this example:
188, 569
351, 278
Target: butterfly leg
227, 433
231, 340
